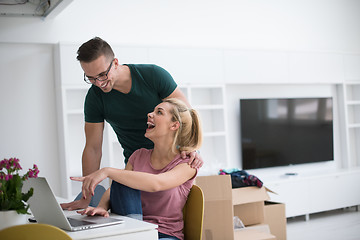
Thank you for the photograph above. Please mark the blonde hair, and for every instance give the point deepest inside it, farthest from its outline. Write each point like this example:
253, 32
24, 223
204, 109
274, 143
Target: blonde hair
188, 137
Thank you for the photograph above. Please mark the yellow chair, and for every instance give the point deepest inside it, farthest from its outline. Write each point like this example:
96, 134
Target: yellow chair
193, 214
34, 232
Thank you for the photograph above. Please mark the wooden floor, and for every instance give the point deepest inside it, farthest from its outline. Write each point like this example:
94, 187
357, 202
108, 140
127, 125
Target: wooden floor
342, 224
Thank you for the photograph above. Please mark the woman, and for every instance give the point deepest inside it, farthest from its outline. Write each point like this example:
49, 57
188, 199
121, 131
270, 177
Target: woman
162, 176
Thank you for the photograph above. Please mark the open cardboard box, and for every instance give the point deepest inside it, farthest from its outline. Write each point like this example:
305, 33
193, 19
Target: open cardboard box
218, 210
276, 219
222, 203
248, 204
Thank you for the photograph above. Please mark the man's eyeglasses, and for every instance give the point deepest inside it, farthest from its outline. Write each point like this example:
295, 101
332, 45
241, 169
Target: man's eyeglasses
101, 77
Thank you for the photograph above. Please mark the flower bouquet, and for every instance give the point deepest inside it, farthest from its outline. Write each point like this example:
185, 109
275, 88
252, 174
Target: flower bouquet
11, 196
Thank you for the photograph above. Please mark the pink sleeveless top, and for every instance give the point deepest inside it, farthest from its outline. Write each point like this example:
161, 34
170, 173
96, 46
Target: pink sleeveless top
163, 208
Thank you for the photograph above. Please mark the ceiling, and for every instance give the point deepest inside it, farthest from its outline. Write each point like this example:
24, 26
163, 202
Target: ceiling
32, 8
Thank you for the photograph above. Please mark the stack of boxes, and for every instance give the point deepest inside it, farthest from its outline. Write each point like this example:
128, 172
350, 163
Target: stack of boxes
263, 220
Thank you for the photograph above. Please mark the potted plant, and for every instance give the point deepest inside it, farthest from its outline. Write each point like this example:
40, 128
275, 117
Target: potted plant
13, 206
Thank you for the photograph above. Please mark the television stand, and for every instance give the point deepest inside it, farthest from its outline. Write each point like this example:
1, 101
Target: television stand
305, 194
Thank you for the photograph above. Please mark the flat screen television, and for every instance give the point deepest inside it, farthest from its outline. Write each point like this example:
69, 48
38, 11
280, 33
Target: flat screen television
286, 131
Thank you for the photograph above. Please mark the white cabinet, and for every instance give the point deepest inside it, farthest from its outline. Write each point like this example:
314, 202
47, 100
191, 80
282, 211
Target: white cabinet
334, 191
293, 193
316, 192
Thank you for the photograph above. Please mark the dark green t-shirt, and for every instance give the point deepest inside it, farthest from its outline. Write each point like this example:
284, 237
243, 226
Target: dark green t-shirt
127, 113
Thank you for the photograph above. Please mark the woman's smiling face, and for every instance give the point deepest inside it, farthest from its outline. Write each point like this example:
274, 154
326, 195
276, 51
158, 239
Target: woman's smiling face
160, 121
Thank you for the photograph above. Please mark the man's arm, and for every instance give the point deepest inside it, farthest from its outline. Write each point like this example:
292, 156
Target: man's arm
177, 93
91, 159
92, 153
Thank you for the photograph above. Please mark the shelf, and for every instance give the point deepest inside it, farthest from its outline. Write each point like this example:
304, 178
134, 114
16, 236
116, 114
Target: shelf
207, 96
352, 92
212, 120
214, 134
353, 102
74, 98
353, 114
354, 136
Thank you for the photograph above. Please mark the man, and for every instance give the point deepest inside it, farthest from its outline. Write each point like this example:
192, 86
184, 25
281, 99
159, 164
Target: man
122, 95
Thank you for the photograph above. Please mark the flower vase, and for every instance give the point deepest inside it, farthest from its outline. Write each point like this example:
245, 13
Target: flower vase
11, 218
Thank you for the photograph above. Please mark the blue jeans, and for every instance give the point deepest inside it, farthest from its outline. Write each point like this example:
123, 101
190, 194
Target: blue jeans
163, 236
99, 191
125, 201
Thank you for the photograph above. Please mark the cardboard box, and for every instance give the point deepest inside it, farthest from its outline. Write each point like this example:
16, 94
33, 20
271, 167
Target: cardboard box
252, 234
260, 228
249, 204
249, 195
222, 203
218, 209
276, 219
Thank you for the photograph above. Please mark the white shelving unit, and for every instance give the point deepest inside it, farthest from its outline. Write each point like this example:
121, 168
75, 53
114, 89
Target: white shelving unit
351, 100
352, 121
209, 101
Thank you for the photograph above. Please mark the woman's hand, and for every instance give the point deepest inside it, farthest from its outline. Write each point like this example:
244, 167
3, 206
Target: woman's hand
195, 159
91, 211
91, 181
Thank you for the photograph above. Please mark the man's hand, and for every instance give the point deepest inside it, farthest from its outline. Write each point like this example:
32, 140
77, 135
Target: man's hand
195, 159
75, 205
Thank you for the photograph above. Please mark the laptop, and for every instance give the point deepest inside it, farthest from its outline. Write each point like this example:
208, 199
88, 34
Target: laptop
46, 209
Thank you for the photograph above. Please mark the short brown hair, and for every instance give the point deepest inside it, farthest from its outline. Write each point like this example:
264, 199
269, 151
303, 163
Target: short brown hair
93, 49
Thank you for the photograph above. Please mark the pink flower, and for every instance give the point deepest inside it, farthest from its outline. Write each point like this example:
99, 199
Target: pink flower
8, 177
10, 185
2, 164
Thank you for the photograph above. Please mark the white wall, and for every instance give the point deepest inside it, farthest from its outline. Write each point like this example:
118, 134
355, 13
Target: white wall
28, 127
282, 24
28, 122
